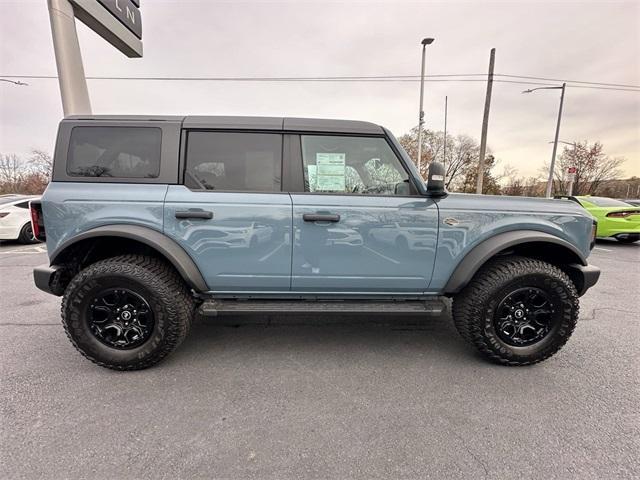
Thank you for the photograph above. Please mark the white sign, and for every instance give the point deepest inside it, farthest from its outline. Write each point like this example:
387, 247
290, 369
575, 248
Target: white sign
330, 172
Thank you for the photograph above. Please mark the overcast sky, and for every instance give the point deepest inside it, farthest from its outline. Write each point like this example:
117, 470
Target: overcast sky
588, 41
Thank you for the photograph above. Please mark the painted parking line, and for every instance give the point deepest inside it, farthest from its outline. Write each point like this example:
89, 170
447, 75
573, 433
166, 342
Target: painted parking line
272, 252
24, 250
603, 249
381, 255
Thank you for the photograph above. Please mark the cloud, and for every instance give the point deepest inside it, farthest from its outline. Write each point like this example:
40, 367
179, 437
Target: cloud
574, 40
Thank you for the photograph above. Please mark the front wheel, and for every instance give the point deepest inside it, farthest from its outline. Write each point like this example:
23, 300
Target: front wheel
127, 312
517, 311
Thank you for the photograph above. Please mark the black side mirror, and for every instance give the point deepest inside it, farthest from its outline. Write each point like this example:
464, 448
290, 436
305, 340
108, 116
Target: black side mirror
435, 180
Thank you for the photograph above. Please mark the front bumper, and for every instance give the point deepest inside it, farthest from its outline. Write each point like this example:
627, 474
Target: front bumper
48, 279
584, 276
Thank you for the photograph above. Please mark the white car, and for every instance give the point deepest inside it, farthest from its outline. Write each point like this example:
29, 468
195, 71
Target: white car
15, 218
405, 237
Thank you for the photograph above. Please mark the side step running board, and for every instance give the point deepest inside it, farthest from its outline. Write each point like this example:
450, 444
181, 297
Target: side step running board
212, 308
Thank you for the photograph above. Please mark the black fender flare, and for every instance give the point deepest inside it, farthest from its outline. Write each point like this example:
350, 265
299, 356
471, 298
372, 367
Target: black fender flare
167, 247
481, 253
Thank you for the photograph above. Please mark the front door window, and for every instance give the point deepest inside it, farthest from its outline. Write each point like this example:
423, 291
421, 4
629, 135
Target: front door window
352, 165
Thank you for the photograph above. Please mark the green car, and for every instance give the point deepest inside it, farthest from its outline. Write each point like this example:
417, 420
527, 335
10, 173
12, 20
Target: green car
615, 218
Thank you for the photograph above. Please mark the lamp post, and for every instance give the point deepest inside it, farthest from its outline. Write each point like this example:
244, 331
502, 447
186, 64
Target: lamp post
555, 142
425, 42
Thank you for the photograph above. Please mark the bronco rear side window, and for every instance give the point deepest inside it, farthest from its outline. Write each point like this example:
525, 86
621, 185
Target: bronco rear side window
243, 162
118, 152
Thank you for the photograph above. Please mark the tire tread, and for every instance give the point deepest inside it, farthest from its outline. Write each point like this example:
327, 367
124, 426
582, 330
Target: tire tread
468, 305
157, 275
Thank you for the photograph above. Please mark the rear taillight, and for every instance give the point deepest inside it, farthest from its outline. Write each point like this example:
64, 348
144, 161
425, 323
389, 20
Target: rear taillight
4, 214
626, 214
37, 221
594, 232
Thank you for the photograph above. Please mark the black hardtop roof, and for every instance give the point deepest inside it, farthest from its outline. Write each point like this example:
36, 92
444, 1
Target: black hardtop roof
247, 123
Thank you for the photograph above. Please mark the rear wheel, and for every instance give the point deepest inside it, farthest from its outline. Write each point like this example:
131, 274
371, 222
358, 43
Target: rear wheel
26, 235
628, 238
127, 312
517, 311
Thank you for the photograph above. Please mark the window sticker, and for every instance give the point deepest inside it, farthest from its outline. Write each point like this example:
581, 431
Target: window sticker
330, 172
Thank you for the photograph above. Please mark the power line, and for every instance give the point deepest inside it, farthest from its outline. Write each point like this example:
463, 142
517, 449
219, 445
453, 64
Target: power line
569, 81
366, 78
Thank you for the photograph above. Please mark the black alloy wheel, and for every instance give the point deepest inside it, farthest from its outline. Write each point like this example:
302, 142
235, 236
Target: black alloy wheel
524, 317
120, 318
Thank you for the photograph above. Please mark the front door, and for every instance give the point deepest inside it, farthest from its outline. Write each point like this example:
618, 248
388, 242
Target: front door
358, 227
230, 215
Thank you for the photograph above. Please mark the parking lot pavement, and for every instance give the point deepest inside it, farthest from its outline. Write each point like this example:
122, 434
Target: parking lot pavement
305, 398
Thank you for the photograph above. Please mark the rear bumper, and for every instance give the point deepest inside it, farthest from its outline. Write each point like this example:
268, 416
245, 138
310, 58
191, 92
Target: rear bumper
584, 277
47, 279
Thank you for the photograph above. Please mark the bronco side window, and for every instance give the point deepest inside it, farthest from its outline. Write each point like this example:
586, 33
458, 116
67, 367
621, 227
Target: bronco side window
119, 152
340, 164
234, 161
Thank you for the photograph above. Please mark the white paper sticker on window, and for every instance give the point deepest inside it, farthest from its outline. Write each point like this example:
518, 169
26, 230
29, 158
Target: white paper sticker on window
330, 172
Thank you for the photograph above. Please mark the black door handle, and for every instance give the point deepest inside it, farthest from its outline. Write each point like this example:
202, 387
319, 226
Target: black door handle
204, 214
320, 217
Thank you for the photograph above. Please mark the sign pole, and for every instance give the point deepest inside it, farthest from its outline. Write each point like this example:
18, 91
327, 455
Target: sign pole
73, 84
571, 176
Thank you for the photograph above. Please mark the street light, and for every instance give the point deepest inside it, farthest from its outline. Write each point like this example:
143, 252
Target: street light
425, 42
555, 142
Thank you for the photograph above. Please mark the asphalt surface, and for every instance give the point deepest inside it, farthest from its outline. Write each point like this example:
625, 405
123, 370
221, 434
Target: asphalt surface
300, 397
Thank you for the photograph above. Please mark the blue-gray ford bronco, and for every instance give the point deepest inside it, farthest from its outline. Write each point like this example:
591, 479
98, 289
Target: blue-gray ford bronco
151, 221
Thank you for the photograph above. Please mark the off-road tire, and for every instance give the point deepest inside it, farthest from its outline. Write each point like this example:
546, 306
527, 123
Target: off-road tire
157, 282
26, 235
474, 308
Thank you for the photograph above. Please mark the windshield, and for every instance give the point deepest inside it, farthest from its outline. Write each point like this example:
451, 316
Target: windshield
606, 202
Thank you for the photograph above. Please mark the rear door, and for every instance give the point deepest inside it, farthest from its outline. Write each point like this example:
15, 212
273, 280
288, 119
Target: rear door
230, 213
359, 226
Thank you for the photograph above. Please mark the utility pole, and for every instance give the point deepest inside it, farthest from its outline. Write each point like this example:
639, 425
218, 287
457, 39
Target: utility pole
425, 42
485, 122
444, 149
73, 84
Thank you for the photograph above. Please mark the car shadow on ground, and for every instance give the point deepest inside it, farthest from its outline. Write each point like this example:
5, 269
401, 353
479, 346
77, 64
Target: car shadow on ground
337, 335
613, 243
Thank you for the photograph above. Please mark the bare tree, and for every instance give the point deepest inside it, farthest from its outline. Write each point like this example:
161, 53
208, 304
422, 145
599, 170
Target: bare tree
41, 163
593, 167
26, 177
462, 154
11, 173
